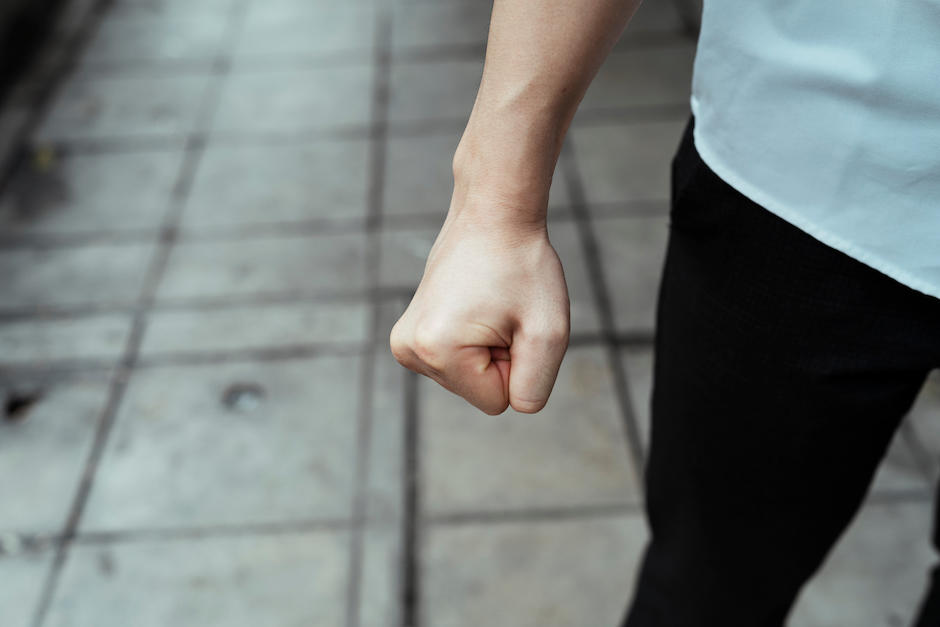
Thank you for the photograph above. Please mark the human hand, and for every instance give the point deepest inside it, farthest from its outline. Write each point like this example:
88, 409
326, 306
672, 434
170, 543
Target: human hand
490, 318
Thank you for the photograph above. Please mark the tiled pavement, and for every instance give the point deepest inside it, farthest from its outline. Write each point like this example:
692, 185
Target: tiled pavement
224, 207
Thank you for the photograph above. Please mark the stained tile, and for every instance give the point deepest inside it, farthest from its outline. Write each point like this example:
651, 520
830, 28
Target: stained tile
258, 267
89, 193
83, 275
41, 342
43, 451
126, 107
572, 453
561, 573
289, 579
251, 185
230, 444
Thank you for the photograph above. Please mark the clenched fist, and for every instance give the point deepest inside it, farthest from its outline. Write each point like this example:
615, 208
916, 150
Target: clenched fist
490, 319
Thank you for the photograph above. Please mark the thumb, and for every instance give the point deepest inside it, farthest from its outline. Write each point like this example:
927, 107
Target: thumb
535, 361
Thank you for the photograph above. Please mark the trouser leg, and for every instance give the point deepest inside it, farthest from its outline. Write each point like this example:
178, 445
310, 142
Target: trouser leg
782, 369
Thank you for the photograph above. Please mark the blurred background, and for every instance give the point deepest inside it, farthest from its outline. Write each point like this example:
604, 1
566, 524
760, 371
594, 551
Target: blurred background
211, 213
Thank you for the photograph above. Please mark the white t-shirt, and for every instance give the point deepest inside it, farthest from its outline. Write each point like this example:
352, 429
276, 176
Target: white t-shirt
827, 113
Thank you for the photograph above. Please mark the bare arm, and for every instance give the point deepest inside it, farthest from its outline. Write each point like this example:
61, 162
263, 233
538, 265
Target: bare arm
541, 57
490, 319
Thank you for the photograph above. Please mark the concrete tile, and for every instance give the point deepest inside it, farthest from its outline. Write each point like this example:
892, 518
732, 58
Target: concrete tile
626, 162
643, 77
307, 30
89, 193
435, 26
124, 38
129, 107
82, 275
290, 579
561, 573
21, 581
428, 91
43, 452
632, 251
380, 585
925, 420
255, 327
638, 363
876, 574
257, 267
180, 456
250, 185
573, 453
386, 450
567, 242
40, 342
419, 178
290, 101
404, 253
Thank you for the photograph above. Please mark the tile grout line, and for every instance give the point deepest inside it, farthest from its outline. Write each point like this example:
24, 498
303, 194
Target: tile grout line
921, 454
587, 117
591, 249
412, 529
286, 297
361, 471
286, 352
296, 228
120, 378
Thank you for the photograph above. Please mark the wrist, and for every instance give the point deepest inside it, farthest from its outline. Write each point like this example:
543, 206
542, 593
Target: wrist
503, 166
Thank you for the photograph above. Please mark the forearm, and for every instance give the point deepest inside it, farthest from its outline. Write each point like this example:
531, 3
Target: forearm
541, 56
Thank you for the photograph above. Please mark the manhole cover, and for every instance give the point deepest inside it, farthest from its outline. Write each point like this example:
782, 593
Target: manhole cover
243, 397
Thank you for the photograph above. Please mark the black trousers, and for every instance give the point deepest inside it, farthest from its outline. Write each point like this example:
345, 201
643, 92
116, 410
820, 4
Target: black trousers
782, 369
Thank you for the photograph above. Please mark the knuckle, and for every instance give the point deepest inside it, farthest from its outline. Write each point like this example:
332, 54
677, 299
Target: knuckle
427, 343
399, 346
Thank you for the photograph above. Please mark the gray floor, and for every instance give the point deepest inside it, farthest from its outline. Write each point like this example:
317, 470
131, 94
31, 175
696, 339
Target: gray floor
224, 207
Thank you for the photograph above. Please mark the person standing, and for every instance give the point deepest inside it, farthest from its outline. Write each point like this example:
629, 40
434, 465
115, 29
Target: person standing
798, 312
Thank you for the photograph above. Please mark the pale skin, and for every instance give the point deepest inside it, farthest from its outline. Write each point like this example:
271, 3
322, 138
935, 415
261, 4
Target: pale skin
490, 318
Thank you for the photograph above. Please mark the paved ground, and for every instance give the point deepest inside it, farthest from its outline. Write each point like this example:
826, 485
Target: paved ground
223, 209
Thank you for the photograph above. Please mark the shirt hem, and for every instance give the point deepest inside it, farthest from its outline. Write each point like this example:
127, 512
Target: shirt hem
803, 223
